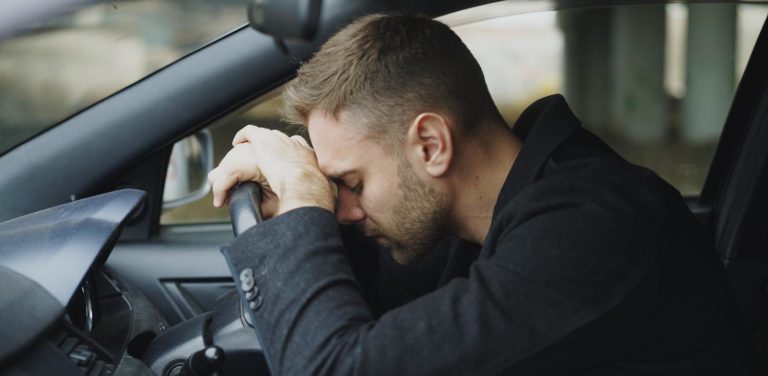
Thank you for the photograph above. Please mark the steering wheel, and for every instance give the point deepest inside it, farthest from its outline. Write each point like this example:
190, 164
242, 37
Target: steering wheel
188, 348
244, 206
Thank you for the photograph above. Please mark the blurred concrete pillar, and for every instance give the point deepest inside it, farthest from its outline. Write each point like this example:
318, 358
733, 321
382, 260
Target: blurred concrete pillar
639, 104
587, 64
709, 70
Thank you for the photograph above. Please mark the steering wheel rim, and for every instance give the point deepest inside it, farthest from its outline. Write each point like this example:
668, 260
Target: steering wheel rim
244, 206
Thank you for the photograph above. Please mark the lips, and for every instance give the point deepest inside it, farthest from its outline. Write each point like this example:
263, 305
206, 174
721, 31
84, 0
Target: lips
382, 241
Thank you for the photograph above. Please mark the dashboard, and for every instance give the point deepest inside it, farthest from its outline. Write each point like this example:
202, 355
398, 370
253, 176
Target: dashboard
64, 312
61, 311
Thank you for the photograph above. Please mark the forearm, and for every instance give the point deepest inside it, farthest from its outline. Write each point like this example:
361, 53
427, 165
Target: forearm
301, 289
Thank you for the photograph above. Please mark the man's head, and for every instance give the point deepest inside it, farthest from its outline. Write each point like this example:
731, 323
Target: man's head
387, 69
383, 100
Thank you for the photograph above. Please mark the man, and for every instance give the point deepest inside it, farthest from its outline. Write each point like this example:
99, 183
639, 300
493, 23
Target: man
538, 251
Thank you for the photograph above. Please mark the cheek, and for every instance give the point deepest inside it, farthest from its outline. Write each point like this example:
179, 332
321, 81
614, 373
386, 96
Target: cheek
382, 184
377, 200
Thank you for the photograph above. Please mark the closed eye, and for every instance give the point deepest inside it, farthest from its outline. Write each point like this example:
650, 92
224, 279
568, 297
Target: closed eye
340, 181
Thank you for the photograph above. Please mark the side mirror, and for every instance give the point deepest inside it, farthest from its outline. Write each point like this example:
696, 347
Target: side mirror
187, 177
285, 19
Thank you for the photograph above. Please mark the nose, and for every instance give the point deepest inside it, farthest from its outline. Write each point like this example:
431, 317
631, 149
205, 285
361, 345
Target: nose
348, 208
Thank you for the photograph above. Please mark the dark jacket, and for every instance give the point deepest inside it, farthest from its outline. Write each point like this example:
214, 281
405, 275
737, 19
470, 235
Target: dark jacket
591, 266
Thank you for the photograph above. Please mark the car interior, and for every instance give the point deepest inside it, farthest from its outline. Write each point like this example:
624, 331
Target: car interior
96, 283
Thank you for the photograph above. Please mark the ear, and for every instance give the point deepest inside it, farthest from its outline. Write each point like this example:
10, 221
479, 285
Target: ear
429, 143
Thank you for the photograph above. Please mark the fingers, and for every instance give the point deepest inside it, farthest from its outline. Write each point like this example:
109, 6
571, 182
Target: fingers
246, 134
285, 165
301, 141
237, 166
220, 186
252, 133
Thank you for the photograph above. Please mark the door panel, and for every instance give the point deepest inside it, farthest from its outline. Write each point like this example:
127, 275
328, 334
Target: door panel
181, 270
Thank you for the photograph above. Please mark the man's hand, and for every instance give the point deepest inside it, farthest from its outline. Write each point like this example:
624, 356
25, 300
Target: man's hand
285, 168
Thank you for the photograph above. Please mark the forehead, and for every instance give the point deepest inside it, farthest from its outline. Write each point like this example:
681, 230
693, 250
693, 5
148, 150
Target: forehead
338, 143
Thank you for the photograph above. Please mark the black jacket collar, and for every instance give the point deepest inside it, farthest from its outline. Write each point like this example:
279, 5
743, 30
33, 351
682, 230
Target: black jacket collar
542, 127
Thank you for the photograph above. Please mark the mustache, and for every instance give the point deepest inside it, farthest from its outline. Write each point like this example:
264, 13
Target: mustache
369, 230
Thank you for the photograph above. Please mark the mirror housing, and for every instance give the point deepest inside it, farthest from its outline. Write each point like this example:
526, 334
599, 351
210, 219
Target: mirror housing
285, 19
186, 179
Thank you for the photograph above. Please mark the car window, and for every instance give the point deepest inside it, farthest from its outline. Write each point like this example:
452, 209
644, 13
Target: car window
55, 69
654, 82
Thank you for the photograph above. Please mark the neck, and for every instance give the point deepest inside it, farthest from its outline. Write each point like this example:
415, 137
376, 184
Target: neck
486, 161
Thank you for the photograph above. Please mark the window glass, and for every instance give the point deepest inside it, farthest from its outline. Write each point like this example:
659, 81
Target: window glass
55, 69
655, 82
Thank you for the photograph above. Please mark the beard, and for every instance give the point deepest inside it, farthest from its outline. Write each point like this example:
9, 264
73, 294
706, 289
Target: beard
418, 221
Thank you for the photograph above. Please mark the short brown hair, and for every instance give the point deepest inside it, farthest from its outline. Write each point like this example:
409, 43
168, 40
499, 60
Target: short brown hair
386, 69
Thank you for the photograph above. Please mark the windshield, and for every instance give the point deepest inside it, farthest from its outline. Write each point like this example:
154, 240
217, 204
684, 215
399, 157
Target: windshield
55, 69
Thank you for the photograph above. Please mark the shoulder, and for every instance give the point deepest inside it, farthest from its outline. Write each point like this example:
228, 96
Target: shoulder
591, 190
584, 218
